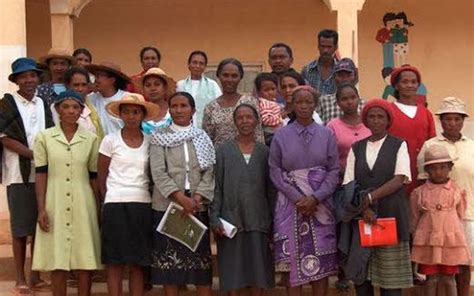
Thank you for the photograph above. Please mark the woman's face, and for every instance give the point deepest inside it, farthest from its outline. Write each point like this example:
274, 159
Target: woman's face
82, 60
132, 115
245, 121
197, 65
154, 88
408, 84
377, 120
79, 84
229, 78
452, 124
150, 60
104, 81
288, 84
181, 111
57, 68
69, 111
348, 101
304, 105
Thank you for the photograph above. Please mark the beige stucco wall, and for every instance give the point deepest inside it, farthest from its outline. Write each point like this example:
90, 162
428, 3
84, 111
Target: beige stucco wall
441, 42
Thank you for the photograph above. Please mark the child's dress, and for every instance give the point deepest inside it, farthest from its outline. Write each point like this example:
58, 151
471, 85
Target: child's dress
438, 235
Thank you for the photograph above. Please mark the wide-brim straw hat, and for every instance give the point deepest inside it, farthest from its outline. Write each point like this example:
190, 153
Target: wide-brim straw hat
436, 154
452, 105
57, 53
108, 67
170, 83
152, 110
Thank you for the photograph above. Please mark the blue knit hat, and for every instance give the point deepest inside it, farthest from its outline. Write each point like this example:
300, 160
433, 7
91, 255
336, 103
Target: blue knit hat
21, 65
69, 94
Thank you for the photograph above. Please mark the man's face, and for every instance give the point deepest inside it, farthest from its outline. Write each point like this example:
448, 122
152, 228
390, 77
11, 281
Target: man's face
279, 60
326, 48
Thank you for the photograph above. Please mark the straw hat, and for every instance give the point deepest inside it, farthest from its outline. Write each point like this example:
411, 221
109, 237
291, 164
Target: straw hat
57, 53
452, 105
108, 67
437, 154
133, 99
170, 83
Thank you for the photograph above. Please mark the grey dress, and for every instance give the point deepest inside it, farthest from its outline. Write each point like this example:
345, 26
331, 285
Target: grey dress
244, 196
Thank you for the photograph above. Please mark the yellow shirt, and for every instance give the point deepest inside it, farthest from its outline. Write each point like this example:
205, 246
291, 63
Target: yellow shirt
463, 170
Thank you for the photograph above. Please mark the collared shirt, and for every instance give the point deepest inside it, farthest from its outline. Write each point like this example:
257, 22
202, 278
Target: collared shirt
312, 74
110, 124
84, 120
463, 170
32, 115
329, 109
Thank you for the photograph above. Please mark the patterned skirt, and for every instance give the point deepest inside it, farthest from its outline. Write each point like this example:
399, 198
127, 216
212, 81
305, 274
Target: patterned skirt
390, 267
175, 264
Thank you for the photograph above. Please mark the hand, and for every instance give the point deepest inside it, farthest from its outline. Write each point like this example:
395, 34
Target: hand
43, 221
218, 230
365, 201
369, 216
198, 198
189, 205
307, 205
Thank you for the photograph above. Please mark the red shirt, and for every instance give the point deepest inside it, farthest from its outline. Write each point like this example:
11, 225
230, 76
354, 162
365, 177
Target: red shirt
415, 131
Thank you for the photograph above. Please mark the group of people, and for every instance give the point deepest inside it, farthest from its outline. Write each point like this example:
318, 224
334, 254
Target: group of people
92, 159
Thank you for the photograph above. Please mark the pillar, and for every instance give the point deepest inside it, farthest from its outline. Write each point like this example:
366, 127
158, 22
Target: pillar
347, 26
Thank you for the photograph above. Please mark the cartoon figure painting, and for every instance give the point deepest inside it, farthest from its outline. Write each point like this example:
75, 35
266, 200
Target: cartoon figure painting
394, 39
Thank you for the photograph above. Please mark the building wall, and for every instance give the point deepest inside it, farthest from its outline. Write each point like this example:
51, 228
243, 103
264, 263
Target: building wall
441, 41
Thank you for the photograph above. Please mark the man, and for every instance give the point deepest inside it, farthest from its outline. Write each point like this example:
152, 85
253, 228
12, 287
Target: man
110, 83
319, 73
345, 71
280, 58
150, 57
22, 115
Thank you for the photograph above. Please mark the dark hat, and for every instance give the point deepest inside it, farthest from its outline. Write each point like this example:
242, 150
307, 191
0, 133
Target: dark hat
69, 94
108, 67
21, 65
345, 64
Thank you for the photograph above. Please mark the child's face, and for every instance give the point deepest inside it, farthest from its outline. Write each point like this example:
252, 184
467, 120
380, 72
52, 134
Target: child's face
268, 90
439, 172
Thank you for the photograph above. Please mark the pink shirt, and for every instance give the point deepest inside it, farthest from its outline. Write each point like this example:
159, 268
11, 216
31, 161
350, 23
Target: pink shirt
346, 135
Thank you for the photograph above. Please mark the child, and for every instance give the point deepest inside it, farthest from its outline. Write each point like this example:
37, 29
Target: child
439, 244
270, 111
124, 186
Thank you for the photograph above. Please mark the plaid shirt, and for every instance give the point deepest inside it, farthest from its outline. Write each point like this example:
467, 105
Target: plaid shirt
328, 108
312, 74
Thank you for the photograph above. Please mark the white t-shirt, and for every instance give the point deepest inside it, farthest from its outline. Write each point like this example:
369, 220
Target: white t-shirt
32, 115
402, 166
110, 124
408, 110
316, 119
128, 171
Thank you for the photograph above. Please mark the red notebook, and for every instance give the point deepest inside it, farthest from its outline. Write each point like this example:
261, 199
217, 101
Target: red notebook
382, 233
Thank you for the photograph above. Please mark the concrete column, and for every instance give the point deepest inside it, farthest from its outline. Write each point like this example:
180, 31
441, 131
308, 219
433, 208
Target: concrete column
63, 13
347, 26
12, 46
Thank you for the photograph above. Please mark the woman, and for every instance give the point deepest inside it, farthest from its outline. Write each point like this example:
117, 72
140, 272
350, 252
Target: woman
124, 187
348, 128
380, 164
304, 166
244, 197
452, 114
217, 120
157, 88
203, 89
182, 159
58, 61
150, 57
83, 57
77, 79
67, 235
407, 113
288, 82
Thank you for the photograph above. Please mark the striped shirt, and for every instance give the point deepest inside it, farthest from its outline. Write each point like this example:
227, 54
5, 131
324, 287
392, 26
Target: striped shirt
270, 112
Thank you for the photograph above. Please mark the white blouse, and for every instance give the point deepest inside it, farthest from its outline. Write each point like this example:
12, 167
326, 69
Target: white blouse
402, 166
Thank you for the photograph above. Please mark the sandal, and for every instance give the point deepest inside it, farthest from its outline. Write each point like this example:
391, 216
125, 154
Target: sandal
21, 290
41, 286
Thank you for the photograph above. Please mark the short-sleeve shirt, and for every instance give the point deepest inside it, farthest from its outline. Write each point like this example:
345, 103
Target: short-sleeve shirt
109, 123
402, 166
128, 179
